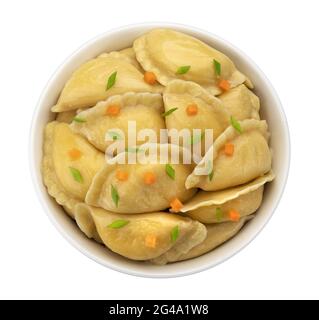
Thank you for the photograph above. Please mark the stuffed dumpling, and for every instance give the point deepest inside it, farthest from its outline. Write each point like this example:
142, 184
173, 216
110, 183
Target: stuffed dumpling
69, 164
111, 117
240, 154
195, 108
130, 188
217, 234
99, 79
228, 204
141, 236
172, 55
241, 103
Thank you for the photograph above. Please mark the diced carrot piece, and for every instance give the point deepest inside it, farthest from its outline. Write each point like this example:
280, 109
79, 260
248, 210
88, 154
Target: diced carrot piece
192, 109
150, 241
113, 110
121, 175
176, 205
149, 178
75, 154
234, 215
224, 84
229, 149
150, 77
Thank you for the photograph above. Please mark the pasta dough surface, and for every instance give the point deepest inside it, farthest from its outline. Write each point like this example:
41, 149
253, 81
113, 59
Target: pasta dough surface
136, 193
210, 113
88, 84
69, 165
145, 109
142, 236
214, 206
164, 51
250, 160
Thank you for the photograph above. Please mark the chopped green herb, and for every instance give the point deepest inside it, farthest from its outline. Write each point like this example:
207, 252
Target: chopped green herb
78, 119
174, 233
210, 175
211, 171
170, 111
111, 80
114, 135
218, 214
170, 171
236, 124
183, 69
217, 68
196, 138
118, 224
115, 195
76, 174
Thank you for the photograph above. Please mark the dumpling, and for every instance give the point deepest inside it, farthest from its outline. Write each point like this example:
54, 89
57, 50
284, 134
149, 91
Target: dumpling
229, 204
69, 164
196, 108
88, 84
238, 157
144, 108
141, 236
241, 103
217, 234
127, 53
174, 55
141, 187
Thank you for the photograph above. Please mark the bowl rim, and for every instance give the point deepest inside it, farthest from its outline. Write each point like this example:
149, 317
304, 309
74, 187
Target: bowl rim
33, 167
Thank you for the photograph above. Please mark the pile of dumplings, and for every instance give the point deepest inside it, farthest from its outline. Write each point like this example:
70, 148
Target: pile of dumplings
162, 212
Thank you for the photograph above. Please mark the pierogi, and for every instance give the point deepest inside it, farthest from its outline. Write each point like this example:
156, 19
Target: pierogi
158, 151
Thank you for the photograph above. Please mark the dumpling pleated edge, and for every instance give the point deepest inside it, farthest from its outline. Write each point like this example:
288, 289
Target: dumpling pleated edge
48, 173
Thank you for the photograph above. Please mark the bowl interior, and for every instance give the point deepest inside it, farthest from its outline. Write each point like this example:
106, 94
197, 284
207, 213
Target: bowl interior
271, 110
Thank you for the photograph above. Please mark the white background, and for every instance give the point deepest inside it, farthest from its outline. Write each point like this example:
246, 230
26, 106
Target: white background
282, 38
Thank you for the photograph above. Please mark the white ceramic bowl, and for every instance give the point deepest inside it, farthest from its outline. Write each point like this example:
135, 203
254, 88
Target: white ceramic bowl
271, 110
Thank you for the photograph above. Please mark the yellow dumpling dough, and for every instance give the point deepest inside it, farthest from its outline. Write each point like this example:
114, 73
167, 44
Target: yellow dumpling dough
69, 164
164, 51
147, 187
215, 206
217, 234
210, 112
87, 85
141, 236
251, 158
241, 103
145, 109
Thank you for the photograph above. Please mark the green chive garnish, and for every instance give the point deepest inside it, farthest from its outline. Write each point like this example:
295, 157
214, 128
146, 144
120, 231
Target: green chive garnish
167, 113
236, 124
174, 233
111, 80
115, 195
114, 135
211, 171
218, 214
118, 224
170, 171
210, 175
183, 69
76, 174
217, 68
78, 119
